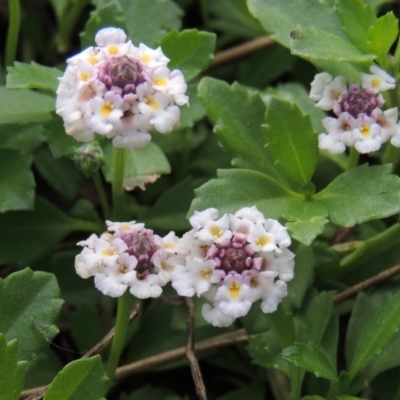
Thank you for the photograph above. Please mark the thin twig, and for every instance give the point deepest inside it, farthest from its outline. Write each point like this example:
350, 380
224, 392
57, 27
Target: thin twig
351, 291
224, 340
242, 50
194, 364
37, 393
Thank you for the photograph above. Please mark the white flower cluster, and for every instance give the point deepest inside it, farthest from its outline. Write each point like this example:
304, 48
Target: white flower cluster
360, 121
127, 256
119, 91
232, 262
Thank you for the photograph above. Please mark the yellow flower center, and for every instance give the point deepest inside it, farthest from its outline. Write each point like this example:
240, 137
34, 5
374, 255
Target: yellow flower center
376, 82
262, 241
215, 231
107, 108
234, 289
205, 273
125, 227
160, 81
109, 252
83, 76
146, 58
365, 131
154, 105
92, 60
123, 269
113, 49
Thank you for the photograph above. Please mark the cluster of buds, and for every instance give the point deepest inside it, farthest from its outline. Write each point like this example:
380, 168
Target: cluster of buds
119, 91
232, 262
360, 121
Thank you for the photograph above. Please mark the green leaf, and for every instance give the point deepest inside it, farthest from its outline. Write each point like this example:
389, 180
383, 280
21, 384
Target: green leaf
237, 188
29, 307
111, 14
17, 185
148, 21
61, 145
361, 194
303, 276
264, 349
311, 29
141, 166
265, 66
190, 51
312, 359
297, 94
24, 106
60, 174
12, 371
86, 327
381, 325
192, 113
314, 316
237, 116
306, 220
32, 76
169, 212
356, 17
291, 140
37, 231
26, 138
382, 35
80, 379
315, 44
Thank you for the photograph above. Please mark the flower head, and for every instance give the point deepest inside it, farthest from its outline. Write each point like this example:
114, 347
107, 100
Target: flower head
359, 121
119, 91
234, 261
126, 257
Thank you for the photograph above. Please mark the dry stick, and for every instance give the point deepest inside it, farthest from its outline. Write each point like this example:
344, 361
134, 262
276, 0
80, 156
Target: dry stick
194, 364
351, 291
224, 340
217, 342
37, 393
242, 50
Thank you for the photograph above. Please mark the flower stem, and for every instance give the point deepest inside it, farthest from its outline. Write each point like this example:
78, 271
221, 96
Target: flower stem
13, 31
102, 195
353, 158
125, 305
391, 155
118, 211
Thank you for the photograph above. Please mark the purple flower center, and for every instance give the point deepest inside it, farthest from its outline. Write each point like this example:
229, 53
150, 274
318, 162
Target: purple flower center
141, 245
358, 101
124, 73
234, 256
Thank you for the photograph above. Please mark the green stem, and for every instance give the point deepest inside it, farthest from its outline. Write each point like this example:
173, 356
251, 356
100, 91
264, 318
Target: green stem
391, 155
102, 195
353, 158
13, 31
125, 305
68, 22
118, 211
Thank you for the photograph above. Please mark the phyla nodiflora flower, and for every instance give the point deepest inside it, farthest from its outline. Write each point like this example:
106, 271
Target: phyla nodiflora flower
234, 261
119, 91
360, 121
127, 256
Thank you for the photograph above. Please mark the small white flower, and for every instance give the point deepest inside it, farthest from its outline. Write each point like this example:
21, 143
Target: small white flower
326, 90
379, 81
367, 135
